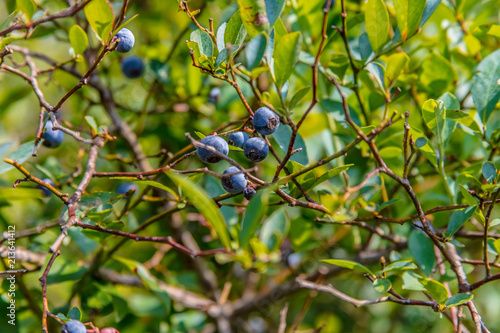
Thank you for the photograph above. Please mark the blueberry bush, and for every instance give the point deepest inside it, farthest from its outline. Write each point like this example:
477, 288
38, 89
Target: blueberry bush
249, 166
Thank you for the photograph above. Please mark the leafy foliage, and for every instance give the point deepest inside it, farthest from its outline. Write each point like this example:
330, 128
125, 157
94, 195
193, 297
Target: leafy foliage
365, 205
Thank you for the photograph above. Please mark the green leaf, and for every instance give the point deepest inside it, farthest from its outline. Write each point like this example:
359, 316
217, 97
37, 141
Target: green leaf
6, 147
199, 134
377, 23
99, 13
234, 148
332, 173
274, 229
196, 52
450, 101
478, 214
78, 39
399, 266
62, 317
388, 203
221, 45
221, 57
411, 281
485, 88
408, 16
437, 75
149, 183
286, 55
75, 313
8, 40
274, 8
28, 7
349, 264
395, 64
205, 205
153, 284
422, 250
426, 149
430, 7
382, 285
458, 219
491, 246
496, 245
21, 154
124, 24
391, 152
434, 115
235, 32
5, 24
282, 135
489, 172
100, 213
464, 118
92, 123
437, 290
458, 299
254, 214
298, 96
254, 16
255, 50
204, 41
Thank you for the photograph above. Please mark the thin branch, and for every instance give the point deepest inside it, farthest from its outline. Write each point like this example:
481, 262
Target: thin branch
154, 239
68, 12
361, 302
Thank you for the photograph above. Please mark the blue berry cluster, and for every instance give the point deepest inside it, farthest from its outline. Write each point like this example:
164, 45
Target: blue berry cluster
265, 122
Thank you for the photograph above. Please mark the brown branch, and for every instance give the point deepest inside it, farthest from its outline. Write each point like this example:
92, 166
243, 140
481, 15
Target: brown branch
75, 198
68, 12
43, 281
63, 197
361, 302
154, 239
486, 227
283, 312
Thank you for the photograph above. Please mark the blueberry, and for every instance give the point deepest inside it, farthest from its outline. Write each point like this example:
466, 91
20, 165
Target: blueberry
74, 326
214, 95
132, 67
123, 188
218, 143
249, 192
235, 183
237, 139
265, 121
52, 138
256, 149
126, 40
46, 192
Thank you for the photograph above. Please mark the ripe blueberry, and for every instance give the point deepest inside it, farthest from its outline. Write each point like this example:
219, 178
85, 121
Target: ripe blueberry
132, 67
256, 149
123, 188
235, 183
126, 40
74, 326
265, 121
214, 95
52, 138
237, 139
249, 192
218, 143
45, 191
